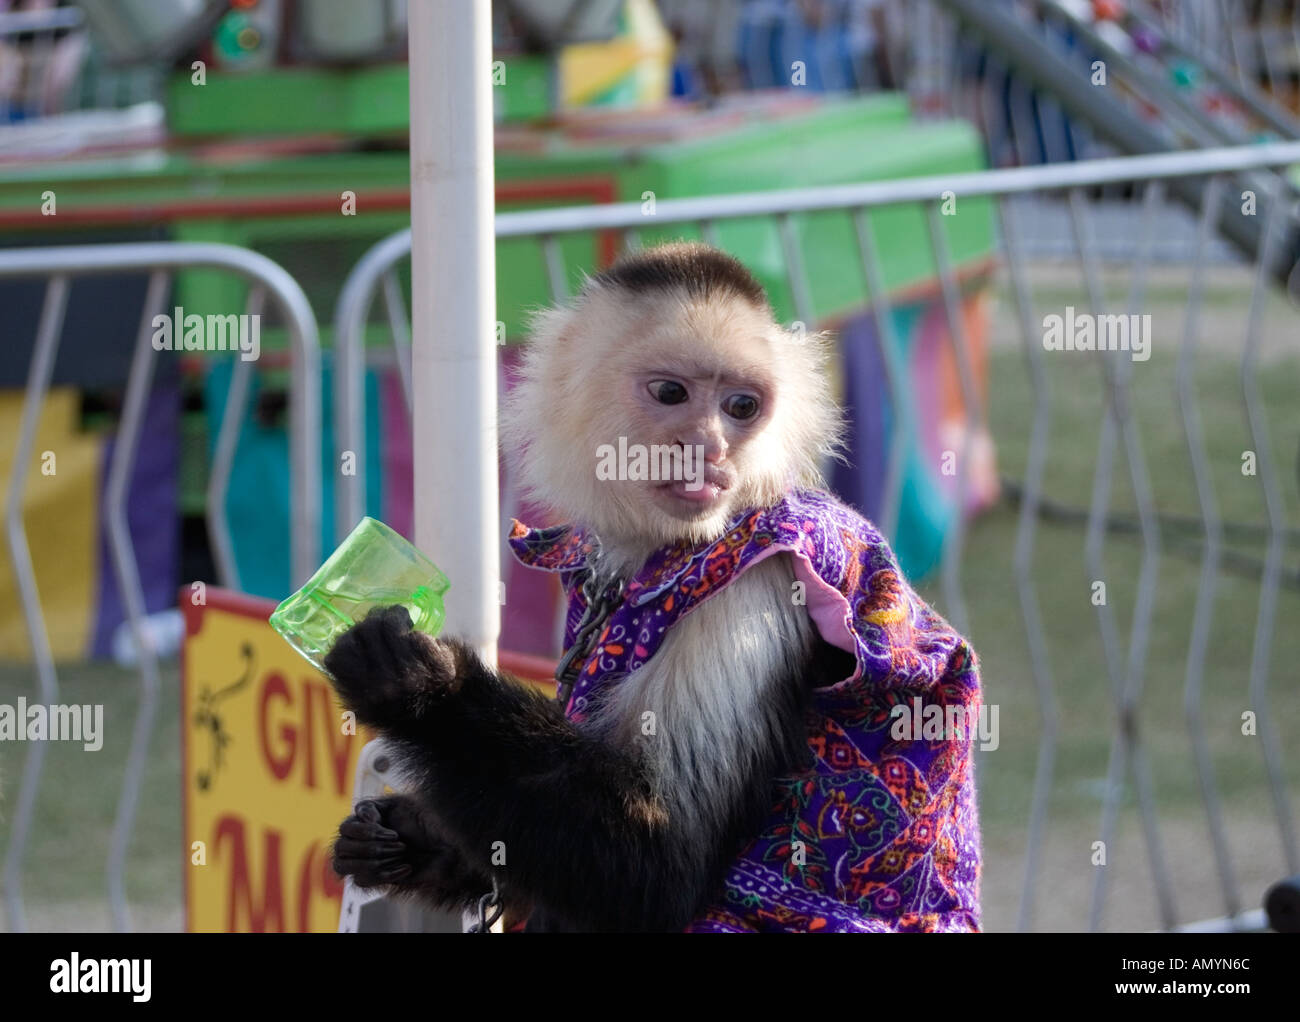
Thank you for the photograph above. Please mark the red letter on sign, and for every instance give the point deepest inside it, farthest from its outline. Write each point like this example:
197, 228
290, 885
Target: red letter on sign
275, 686
269, 917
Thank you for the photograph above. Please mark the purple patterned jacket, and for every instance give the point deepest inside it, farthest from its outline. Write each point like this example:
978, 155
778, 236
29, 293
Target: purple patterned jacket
881, 833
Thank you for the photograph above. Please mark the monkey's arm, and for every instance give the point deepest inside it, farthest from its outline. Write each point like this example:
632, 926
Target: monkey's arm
581, 833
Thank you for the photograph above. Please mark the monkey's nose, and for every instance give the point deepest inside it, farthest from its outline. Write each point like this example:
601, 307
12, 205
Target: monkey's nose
714, 448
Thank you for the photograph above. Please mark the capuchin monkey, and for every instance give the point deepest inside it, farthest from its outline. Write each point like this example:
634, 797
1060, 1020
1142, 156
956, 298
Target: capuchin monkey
716, 708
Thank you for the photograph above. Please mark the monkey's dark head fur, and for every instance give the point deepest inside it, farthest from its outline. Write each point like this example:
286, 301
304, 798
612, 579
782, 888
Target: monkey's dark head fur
688, 268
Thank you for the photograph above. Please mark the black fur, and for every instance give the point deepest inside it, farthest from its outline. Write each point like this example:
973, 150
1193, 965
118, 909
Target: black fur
586, 847
698, 270
397, 840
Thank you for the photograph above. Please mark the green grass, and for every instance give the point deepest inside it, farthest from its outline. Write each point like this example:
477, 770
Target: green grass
79, 792
1062, 584
1072, 636
65, 861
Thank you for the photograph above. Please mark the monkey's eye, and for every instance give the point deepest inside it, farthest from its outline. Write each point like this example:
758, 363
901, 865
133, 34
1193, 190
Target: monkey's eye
741, 406
667, 392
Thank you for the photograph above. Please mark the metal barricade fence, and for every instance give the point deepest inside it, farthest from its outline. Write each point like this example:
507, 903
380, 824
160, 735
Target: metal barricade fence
1199, 178
266, 279
857, 203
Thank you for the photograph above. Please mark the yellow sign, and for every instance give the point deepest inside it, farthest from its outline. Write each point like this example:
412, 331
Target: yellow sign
268, 764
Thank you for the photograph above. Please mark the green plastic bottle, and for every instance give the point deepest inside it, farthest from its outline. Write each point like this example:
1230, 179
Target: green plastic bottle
373, 567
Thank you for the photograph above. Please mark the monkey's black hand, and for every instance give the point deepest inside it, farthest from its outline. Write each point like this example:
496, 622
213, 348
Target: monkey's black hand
396, 841
385, 671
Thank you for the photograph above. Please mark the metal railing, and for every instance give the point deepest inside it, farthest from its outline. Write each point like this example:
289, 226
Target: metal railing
1206, 173
857, 203
60, 265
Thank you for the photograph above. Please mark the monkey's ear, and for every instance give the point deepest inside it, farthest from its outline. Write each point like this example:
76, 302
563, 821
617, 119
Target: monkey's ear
550, 325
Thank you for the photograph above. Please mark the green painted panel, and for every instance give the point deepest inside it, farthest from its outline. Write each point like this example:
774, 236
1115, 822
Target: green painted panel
371, 100
830, 142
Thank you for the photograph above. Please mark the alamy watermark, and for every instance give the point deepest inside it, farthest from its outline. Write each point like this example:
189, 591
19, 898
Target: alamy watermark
653, 463
183, 331
1082, 331
77, 975
61, 722
933, 722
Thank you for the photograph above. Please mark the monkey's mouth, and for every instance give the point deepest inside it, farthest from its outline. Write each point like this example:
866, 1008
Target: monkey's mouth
701, 493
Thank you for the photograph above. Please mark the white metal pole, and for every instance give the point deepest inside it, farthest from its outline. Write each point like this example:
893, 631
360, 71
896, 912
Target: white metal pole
453, 302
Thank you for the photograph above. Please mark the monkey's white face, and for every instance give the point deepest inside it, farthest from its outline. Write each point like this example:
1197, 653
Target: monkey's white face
705, 417
655, 417
697, 393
